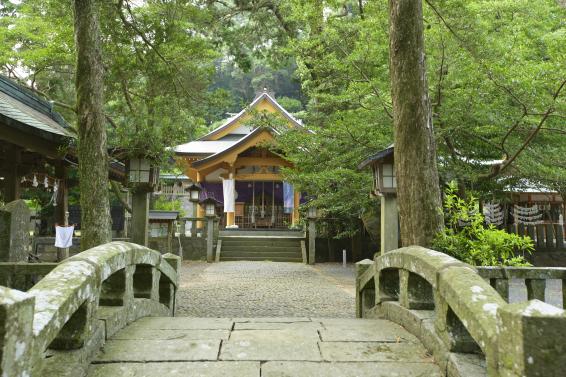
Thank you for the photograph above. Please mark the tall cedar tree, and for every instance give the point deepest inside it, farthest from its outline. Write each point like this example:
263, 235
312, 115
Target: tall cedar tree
418, 190
93, 155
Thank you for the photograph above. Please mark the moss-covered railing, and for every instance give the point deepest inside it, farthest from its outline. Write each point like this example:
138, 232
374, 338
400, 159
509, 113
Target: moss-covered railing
534, 278
57, 326
461, 319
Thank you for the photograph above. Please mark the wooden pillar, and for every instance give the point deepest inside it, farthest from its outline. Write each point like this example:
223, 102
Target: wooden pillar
62, 206
12, 190
295, 215
230, 218
200, 213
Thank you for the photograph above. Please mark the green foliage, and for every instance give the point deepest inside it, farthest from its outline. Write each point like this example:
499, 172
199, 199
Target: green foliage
495, 70
158, 59
465, 236
292, 105
243, 85
164, 204
33, 204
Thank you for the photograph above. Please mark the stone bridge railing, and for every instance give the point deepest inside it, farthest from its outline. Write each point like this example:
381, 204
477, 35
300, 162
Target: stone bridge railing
460, 318
56, 327
534, 278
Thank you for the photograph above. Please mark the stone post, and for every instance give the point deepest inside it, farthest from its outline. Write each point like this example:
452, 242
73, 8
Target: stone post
14, 232
389, 223
531, 339
312, 241
140, 217
536, 289
362, 299
16, 332
175, 262
195, 214
210, 239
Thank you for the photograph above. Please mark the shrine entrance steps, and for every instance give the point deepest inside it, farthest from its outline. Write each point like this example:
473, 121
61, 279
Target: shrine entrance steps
262, 245
266, 347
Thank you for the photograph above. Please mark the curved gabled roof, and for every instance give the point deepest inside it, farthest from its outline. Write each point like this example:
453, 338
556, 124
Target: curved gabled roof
263, 96
242, 142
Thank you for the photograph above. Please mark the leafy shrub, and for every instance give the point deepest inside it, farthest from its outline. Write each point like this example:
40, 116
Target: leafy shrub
466, 237
163, 204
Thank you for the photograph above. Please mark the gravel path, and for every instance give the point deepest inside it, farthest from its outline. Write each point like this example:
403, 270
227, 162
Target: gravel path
266, 289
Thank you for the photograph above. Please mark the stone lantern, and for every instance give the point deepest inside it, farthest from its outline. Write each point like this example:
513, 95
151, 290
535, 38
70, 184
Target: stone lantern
209, 207
194, 190
142, 177
210, 213
141, 173
312, 215
312, 212
385, 186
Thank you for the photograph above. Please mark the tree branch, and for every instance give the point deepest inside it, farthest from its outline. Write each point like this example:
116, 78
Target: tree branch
532, 135
116, 190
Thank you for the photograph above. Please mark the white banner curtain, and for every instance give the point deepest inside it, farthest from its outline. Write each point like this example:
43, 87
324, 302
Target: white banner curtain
288, 198
229, 195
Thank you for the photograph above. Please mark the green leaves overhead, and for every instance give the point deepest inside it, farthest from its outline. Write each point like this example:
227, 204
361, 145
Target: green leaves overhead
158, 63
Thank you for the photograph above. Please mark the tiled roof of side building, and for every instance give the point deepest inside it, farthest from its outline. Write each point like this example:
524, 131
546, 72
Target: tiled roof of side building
26, 108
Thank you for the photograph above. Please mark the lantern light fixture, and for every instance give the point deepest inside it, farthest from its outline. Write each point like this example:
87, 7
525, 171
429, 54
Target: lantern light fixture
209, 206
140, 171
312, 212
383, 168
194, 190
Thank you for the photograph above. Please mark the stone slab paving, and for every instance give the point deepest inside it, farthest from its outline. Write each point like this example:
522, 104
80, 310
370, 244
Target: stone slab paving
272, 347
266, 289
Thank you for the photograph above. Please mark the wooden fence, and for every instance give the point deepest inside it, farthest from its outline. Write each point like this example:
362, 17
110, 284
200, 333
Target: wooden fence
547, 237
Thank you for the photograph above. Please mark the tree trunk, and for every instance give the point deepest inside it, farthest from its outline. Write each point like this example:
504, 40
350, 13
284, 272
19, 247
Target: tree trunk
418, 188
93, 156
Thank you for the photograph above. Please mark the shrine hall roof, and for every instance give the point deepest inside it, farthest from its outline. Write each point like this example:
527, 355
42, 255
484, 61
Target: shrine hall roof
22, 109
204, 147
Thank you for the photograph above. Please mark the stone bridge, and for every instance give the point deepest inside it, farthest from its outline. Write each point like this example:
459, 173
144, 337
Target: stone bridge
107, 312
461, 313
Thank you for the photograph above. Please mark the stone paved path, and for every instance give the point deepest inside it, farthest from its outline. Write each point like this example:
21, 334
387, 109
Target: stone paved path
266, 347
266, 289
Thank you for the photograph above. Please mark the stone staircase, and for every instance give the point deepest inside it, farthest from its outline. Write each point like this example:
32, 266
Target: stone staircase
261, 245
